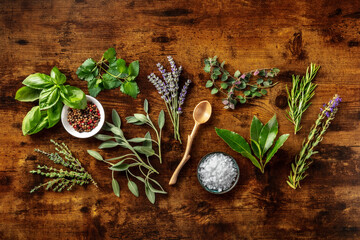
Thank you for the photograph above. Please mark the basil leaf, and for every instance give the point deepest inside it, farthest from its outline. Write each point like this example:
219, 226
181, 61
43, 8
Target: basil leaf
54, 114
48, 98
31, 120
150, 194
276, 147
116, 187
57, 76
121, 66
161, 120
133, 188
38, 81
144, 150
27, 94
268, 134
95, 155
238, 144
116, 118
75, 97
133, 69
41, 125
110, 82
255, 129
88, 70
130, 88
110, 54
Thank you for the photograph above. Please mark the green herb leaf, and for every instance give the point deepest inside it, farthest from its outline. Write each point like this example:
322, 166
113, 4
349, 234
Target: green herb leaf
133, 188
31, 120
121, 66
120, 167
57, 76
259, 81
48, 97
133, 69
155, 190
146, 106
148, 143
130, 88
117, 131
133, 120
237, 74
263, 91
224, 85
116, 187
110, 54
108, 144
27, 94
278, 144
54, 114
150, 194
268, 134
255, 129
144, 150
116, 118
141, 117
209, 84
214, 91
224, 77
95, 155
41, 125
238, 144
137, 140
103, 137
75, 98
247, 93
38, 81
207, 68
110, 82
88, 70
161, 119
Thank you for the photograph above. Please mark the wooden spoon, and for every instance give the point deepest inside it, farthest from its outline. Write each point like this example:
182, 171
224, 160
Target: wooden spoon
202, 113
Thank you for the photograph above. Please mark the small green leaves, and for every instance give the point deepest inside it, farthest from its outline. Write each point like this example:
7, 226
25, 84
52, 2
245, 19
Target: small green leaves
146, 106
150, 194
133, 188
237, 74
144, 150
88, 70
116, 118
214, 91
209, 84
116, 187
141, 117
95, 155
133, 69
27, 94
110, 54
161, 119
224, 85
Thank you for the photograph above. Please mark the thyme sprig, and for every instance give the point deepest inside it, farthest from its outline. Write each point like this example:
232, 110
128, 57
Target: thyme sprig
138, 160
229, 85
62, 178
303, 160
300, 95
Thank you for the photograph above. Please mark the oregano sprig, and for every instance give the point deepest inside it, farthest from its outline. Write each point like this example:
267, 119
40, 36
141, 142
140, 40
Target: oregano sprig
222, 81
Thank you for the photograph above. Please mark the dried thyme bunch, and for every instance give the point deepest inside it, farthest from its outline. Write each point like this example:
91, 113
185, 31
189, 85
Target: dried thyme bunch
303, 161
62, 178
222, 81
301, 93
134, 161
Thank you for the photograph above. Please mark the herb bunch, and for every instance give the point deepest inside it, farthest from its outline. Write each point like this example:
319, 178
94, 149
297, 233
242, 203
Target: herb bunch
301, 93
222, 81
317, 131
110, 73
131, 162
62, 179
261, 138
52, 94
168, 88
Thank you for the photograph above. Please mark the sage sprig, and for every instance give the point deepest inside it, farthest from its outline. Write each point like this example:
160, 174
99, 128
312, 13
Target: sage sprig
261, 137
317, 131
222, 81
300, 95
109, 73
52, 94
62, 179
136, 164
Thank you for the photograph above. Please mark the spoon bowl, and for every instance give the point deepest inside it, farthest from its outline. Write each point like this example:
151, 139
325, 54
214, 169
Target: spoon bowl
202, 112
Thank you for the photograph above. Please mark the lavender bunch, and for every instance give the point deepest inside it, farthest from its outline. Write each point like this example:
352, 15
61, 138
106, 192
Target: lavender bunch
303, 161
168, 88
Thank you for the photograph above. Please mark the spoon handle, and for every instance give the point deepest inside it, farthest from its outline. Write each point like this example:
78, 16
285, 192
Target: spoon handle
186, 156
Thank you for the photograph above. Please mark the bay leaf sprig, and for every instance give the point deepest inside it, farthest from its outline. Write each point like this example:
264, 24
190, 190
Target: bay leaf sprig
300, 95
261, 137
62, 179
317, 131
109, 73
136, 164
52, 94
238, 88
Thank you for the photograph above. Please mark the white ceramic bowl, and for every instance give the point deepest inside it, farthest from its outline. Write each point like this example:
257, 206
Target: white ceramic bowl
72, 131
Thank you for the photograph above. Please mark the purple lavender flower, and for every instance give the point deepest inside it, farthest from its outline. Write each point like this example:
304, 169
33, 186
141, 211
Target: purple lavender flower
331, 106
183, 94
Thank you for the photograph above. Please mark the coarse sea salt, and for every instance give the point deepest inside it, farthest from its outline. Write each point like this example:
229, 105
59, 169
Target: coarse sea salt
217, 172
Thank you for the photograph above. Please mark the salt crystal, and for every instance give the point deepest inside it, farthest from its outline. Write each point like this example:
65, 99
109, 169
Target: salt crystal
217, 172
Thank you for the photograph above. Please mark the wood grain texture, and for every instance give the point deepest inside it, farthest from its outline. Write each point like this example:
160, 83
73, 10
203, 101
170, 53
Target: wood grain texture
248, 34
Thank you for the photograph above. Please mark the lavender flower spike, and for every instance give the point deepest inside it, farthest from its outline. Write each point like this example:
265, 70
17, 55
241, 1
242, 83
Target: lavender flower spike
183, 94
331, 106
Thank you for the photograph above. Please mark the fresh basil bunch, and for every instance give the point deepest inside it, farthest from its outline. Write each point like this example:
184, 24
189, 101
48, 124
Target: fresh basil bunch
110, 73
51, 93
262, 138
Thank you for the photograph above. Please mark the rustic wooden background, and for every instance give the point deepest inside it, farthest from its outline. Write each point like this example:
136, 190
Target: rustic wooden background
248, 34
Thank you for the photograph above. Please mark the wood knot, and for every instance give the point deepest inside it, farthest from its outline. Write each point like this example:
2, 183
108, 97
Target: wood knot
281, 101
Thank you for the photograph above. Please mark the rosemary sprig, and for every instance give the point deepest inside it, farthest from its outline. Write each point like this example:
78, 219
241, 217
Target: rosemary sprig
61, 178
303, 161
301, 93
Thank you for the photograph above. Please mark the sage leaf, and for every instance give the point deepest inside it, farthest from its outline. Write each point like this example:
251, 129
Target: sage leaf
31, 120
108, 144
255, 129
148, 143
150, 194
133, 120
155, 190
54, 114
278, 144
116, 187
57, 76
27, 94
48, 98
238, 144
38, 81
120, 166
137, 140
133, 69
75, 98
133, 188
117, 131
268, 134
146, 105
95, 155
144, 150
103, 137
116, 118
141, 117
161, 120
